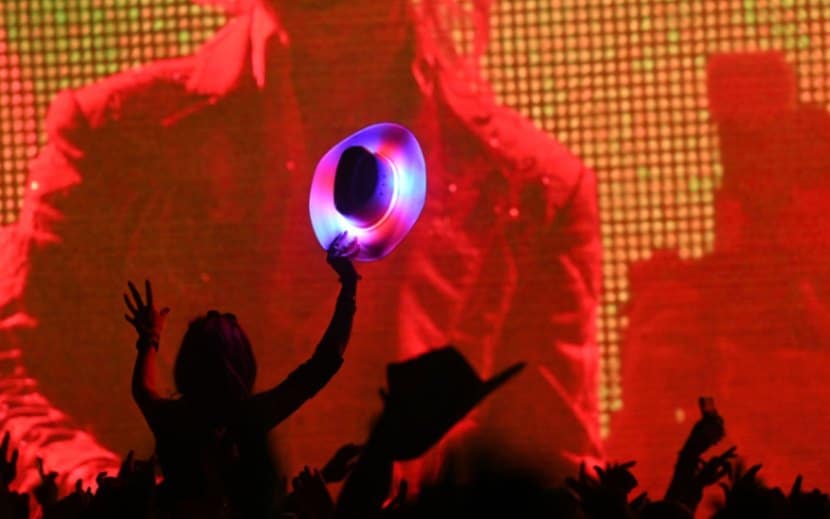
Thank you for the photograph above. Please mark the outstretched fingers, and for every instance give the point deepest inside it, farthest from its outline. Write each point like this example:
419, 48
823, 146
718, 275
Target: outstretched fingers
796, 488
335, 245
136, 295
130, 306
148, 289
350, 249
343, 246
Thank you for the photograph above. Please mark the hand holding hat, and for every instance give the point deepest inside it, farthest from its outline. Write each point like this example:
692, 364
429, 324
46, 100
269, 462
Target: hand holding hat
338, 255
371, 185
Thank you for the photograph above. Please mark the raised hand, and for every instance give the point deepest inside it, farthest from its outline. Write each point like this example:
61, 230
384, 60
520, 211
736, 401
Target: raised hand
339, 466
808, 504
584, 485
617, 479
137, 473
339, 254
712, 470
148, 321
639, 503
12, 504
47, 492
605, 496
692, 474
8, 468
708, 431
127, 466
312, 498
73, 505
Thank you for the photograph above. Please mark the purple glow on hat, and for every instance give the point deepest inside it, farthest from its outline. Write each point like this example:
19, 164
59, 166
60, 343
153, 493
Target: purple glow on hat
396, 145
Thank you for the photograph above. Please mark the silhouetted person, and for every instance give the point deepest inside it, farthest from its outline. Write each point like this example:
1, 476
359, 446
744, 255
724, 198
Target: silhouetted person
426, 396
36, 427
12, 504
211, 440
750, 322
692, 474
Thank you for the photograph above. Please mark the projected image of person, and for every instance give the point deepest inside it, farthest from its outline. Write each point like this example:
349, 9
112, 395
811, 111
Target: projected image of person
199, 169
35, 427
749, 323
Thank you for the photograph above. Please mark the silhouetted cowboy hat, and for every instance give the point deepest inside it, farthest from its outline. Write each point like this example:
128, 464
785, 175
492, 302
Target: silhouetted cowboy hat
429, 394
372, 185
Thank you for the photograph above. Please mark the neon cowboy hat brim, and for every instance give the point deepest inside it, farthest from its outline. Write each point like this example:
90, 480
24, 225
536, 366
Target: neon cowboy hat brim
399, 148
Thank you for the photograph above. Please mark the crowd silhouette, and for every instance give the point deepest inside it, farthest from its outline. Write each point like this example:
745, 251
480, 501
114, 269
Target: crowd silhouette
505, 265
748, 320
211, 458
491, 484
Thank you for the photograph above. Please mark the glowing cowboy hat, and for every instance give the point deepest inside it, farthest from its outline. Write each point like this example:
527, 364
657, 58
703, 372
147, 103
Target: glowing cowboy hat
372, 184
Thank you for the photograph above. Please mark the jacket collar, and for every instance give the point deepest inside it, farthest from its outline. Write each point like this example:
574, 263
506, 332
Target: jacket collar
236, 53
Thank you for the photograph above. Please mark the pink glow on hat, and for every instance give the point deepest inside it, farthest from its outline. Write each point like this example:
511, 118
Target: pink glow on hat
398, 147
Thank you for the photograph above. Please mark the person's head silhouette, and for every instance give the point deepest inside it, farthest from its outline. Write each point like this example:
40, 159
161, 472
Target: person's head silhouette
215, 366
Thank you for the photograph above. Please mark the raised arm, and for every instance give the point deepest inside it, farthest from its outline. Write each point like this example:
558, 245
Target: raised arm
269, 408
691, 473
339, 330
149, 324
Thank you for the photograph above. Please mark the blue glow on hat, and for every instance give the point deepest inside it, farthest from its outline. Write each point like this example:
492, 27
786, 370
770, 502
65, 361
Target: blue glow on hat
398, 147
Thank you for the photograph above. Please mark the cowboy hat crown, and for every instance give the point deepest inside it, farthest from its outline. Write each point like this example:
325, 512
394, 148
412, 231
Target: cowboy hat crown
430, 393
363, 185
